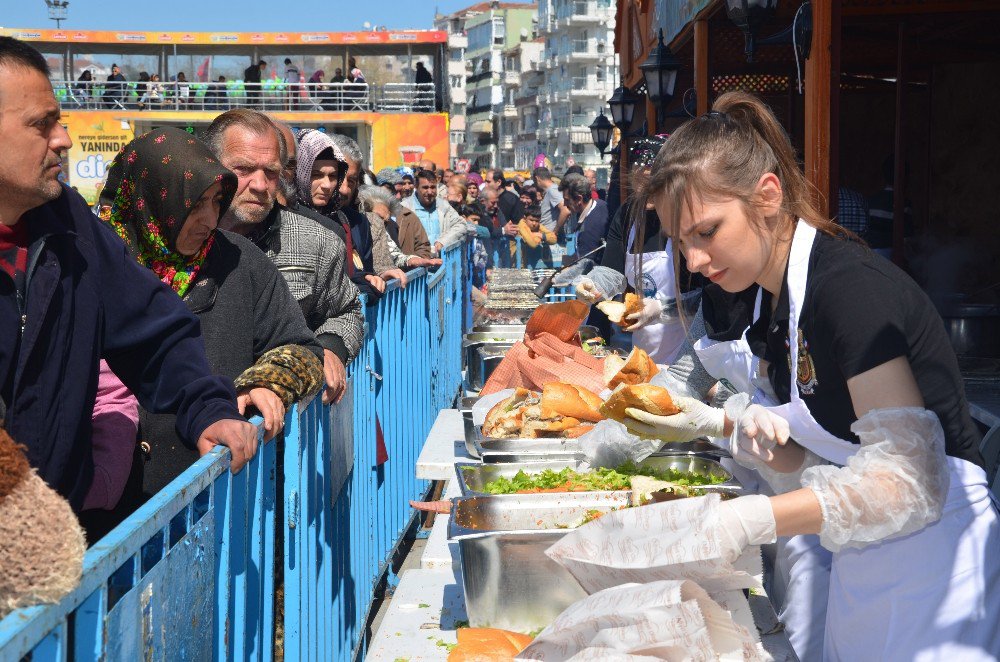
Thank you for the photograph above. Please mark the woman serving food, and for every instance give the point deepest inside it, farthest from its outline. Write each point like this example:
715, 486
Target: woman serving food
872, 446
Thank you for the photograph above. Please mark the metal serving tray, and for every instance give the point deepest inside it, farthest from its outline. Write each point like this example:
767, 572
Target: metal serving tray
516, 450
483, 361
472, 478
509, 582
517, 329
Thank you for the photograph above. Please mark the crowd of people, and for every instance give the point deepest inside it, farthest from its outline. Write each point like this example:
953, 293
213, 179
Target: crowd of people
298, 92
217, 276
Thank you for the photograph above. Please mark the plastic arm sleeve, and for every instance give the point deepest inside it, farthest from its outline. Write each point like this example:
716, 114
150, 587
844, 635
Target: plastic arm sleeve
671, 307
686, 375
894, 485
610, 282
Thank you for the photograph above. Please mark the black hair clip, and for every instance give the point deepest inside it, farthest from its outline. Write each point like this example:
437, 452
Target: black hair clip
716, 115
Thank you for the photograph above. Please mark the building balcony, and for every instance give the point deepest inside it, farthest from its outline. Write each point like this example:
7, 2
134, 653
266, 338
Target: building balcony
475, 78
458, 41
481, 127
507, 142
512, 78
457, 69
510, 110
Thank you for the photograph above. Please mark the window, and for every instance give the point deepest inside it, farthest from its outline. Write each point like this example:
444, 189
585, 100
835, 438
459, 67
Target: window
499, 31
579, 148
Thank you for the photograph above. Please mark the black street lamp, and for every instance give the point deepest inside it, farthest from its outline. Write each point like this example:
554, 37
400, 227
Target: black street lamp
750, 15
660, 72
623, 102
601, 130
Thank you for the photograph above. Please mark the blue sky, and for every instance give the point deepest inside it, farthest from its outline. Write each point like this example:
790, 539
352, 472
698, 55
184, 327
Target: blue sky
230, 15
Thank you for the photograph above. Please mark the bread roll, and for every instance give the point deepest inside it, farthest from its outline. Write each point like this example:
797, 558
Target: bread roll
578, 431
505, 417
633, 304
571, 400
487, 645
615, 310
638, 368
536, 428
653, 399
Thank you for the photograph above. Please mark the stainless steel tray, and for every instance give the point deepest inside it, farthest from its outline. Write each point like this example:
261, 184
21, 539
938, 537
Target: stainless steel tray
472, 478
483, 361
517, 329
509, 582
516, 450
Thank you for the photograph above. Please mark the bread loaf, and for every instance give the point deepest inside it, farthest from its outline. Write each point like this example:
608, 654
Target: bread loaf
571, 400
487, 645
653, 399
638, 368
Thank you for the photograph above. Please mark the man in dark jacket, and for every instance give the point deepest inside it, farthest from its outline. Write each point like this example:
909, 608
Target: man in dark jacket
70, 295
114, 89
310, 257
591, 215
251, 83
510, 202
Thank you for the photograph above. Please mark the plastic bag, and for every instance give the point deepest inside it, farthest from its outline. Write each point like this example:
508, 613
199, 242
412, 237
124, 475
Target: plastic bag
611, 445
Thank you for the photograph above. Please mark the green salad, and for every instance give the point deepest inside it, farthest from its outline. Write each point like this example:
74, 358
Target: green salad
568, 480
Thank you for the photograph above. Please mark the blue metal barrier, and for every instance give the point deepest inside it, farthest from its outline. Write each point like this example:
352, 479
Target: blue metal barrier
183, 578
193, 573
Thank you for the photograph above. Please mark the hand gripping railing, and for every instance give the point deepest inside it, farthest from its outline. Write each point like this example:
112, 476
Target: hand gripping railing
313, 519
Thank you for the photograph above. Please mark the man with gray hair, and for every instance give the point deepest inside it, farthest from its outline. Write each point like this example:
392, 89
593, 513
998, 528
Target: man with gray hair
310, 257
591, 215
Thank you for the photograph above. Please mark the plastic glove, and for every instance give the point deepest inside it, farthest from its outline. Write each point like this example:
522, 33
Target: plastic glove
756, 430
894, 485
745, 521
650, 314
696, 419
587, 292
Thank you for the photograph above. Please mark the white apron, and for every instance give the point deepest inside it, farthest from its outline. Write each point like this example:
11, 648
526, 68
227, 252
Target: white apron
931, 595
801, 566
661, 341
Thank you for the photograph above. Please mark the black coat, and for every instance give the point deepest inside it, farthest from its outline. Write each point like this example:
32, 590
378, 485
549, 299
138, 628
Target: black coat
245, 309
88, 299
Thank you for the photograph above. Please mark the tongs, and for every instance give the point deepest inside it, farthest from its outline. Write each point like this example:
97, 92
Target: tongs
546, 283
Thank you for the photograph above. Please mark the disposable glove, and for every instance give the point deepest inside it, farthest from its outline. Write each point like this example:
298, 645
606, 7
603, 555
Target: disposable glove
650, 314
756, 430
743, 522
696, 419
587, 292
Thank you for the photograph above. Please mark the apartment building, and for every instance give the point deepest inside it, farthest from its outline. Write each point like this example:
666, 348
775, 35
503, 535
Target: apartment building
581, 73
523, 77
490, 28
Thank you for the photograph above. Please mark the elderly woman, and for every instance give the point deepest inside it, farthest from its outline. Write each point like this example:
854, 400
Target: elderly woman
164, 197
402, 225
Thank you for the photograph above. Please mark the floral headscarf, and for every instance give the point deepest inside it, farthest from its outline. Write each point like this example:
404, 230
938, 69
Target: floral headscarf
152, 185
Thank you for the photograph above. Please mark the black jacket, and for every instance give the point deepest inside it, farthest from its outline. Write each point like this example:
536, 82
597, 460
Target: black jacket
87, 298
245, 309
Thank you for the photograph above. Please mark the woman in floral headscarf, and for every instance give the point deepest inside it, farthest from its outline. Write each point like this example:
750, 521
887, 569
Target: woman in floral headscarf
164, 197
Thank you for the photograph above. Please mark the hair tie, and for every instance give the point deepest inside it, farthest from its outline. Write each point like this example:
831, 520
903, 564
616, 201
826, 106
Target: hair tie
716, 114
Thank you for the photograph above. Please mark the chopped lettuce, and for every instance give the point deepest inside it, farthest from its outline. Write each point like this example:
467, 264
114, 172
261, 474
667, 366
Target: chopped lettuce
595, 480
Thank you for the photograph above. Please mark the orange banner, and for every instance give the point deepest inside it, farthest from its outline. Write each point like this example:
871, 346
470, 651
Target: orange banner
97, 138
228, 38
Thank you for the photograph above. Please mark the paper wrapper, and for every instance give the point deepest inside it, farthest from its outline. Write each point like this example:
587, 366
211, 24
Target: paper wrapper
550, 352
665, 620
677, 540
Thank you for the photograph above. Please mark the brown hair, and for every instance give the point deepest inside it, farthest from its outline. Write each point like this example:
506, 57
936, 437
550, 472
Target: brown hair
723, 154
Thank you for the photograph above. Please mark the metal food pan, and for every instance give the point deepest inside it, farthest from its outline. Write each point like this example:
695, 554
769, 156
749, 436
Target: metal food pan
508, 580
484, 361
472, 478
517, 329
